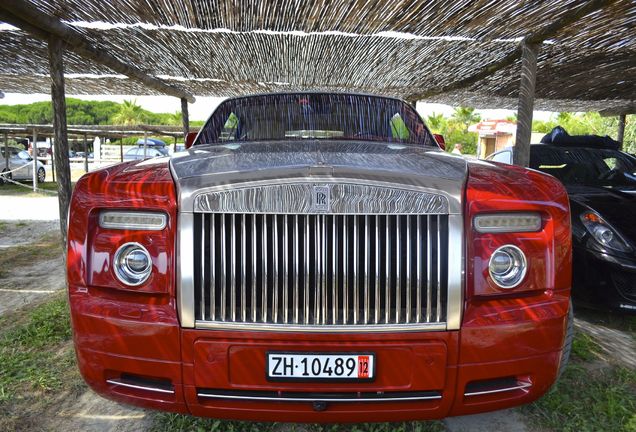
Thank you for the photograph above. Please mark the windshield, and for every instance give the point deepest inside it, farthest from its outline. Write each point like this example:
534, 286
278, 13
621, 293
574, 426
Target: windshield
576, 166
315, 116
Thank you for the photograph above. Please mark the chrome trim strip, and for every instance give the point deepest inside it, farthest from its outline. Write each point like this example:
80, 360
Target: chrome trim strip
387, 255
438, 282
355, 269
265, 275
455, 279
203, 260
138, 387
377, 270
233, 268
317, 268
213, 267
345, 198
254, 299
334, 270
285, 269
296, 273
275, 268
318, 399
323, 268
367, 260
306, 275
371, 328
345, 268
398, 268
185, 269
407, 276
418, 281
429, 283
521, 386
243, 269
223, 305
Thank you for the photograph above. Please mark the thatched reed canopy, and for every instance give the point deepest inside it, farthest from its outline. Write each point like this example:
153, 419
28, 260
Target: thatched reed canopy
404, 48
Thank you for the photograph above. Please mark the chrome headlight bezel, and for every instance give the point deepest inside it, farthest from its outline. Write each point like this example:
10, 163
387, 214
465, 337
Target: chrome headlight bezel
514, 275
122, 267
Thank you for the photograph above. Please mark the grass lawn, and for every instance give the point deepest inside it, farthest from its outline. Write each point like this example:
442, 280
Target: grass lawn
26, 189
37, 363
592, 395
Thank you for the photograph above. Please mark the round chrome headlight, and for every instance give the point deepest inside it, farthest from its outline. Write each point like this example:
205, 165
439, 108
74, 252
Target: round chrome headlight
132, 264
507, 266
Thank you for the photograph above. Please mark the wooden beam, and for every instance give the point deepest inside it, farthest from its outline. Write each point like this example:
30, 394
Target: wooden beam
612, 112
30, 19
521, 155
536, 37
622, 119
60, 153
185, 117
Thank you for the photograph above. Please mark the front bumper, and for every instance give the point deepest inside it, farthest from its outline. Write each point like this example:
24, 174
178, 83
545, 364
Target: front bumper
506, 354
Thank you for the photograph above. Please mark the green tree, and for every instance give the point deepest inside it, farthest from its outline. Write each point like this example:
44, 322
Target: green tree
130, 113
465, 116
437, 123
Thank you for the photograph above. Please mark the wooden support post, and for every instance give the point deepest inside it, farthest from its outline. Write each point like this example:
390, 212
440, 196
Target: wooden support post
34, 159
121, 150
521, 155
145, 143
6, 152
85, 154
185, 117
53, 163
621, 129
56, 65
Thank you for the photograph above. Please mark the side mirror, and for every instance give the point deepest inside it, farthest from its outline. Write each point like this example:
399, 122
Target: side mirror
189, 139
441, 142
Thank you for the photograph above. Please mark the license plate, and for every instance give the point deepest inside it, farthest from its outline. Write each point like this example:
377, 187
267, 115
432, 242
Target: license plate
308, 366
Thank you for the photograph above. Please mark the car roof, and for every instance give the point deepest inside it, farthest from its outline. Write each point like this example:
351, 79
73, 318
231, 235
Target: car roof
314, 92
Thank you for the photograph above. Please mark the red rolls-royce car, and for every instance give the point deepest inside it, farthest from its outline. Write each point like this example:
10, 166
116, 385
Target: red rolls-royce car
316, 257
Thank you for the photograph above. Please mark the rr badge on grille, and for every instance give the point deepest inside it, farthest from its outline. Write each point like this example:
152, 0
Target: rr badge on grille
321, 199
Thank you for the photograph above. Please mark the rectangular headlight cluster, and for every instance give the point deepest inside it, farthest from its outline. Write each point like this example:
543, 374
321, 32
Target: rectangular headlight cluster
132, 220
507, 222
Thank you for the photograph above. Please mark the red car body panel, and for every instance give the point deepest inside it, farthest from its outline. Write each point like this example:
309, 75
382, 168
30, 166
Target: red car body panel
119, 330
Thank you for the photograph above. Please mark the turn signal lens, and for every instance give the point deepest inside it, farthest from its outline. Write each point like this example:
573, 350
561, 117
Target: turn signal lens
132, 264
132, 220
507, 266
507, 222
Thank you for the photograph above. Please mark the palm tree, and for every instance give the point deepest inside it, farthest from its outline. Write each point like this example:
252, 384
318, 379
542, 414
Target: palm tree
466, 116
129, 113
436, 122
175, 118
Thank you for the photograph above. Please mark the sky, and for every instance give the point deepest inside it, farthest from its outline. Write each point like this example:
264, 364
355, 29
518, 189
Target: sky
204, 105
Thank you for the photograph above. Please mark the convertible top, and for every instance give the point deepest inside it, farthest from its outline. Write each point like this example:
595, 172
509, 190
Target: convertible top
559, 136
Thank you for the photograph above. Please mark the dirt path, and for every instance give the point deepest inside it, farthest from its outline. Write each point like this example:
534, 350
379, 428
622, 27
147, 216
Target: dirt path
23, 283
90, 412
618, 346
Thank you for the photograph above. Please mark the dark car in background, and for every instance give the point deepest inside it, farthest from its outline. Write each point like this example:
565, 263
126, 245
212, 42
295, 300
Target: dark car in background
149, 148
601, 183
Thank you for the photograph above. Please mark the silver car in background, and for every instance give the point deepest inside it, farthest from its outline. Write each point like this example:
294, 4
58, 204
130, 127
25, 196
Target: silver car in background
20, 166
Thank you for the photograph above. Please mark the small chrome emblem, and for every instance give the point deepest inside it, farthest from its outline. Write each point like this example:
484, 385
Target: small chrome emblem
321, 199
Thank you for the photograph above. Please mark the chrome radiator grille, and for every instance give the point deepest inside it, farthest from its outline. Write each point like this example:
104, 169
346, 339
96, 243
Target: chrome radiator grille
328, 270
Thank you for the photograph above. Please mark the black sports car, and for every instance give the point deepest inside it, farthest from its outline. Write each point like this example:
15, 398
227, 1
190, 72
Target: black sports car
601, 183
